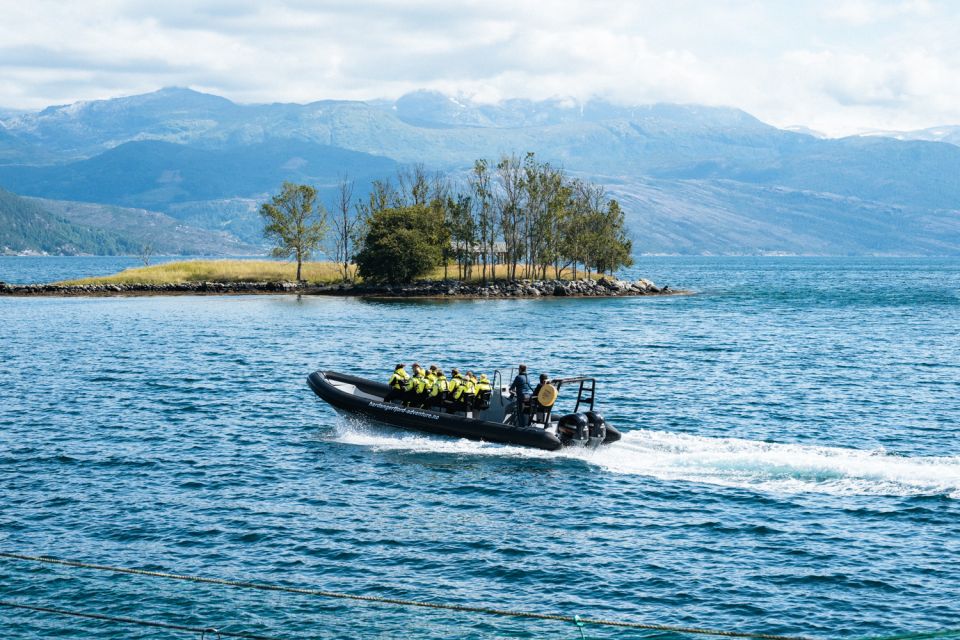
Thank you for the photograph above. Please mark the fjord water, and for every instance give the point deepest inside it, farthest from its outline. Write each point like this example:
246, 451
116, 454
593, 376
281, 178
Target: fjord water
790, 460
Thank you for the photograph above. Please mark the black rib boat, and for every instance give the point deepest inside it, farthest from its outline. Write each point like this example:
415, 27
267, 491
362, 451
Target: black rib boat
493, 421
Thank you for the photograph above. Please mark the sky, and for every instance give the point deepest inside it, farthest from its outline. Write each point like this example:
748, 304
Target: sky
835, 66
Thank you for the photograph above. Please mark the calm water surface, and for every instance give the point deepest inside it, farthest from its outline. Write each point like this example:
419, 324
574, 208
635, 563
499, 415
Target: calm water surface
790, 464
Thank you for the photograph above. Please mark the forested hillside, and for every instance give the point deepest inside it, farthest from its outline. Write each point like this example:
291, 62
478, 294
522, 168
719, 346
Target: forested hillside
27, 226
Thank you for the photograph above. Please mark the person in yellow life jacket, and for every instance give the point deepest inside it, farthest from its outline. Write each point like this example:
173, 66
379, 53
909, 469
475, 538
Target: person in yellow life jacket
483, 390
456, 380
410, 395
460, 394
470, 391
397, 383
423, 387
438, 393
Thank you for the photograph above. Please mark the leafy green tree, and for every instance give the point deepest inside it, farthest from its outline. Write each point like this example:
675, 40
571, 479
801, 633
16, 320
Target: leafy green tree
402, 243
608, 246
293, 224
576, 233
619, 244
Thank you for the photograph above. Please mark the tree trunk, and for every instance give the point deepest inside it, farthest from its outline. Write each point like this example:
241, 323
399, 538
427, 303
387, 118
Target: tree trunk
299, 266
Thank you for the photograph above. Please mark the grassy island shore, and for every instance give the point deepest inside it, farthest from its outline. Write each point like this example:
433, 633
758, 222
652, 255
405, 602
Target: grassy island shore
231, 271
242, 277
226, 271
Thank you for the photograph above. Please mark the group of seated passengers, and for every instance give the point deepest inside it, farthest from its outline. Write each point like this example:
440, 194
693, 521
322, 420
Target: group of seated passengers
430, 389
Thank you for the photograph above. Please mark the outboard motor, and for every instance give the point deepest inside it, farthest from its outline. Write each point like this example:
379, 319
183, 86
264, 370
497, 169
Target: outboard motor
597, 428
573, 428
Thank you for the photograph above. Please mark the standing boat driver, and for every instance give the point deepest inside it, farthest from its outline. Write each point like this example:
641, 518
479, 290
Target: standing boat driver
484, 389
397, 384
521, 390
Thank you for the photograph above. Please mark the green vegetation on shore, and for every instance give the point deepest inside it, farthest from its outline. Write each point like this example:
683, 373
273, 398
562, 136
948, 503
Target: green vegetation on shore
521, 212
244, 271
526, 214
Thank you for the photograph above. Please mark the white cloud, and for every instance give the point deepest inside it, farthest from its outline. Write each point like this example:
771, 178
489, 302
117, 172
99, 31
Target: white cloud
865, 12
835, 66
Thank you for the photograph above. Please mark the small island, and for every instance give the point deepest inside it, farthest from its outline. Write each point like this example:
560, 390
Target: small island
520, 228
224, 277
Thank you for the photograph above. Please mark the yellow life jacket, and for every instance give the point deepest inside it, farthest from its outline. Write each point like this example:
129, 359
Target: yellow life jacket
399, 379
483, 385
424, 385
416, 383
411, 382
439, 386
468, 388
455, 381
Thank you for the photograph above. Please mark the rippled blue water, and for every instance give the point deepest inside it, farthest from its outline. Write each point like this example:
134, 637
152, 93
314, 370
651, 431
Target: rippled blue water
790, 464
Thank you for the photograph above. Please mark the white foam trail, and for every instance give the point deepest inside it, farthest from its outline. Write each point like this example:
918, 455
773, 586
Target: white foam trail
780, 468
731, 462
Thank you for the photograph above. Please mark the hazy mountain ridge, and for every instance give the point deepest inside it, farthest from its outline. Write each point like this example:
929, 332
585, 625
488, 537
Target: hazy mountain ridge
947, 133
156, 174
729, 217
699, 179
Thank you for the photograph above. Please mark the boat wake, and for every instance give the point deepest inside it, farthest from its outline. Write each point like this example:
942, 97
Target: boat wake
731, 462
781, 468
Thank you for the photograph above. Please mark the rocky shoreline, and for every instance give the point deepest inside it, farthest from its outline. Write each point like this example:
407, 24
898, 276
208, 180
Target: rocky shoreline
604, 287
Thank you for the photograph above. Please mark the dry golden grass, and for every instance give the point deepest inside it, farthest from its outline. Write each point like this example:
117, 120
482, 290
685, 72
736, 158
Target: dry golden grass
219, 271
262, 271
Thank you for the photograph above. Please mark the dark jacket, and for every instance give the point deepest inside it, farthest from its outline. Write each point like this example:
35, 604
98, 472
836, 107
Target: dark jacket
536, 392
521, 386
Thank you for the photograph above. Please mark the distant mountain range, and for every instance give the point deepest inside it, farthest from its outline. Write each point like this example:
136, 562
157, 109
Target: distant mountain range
950, 134
694, 179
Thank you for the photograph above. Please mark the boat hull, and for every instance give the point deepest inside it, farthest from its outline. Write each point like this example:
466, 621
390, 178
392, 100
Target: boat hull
369, 404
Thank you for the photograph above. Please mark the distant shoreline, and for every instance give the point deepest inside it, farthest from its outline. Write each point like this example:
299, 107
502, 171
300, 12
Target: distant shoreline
587, 288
